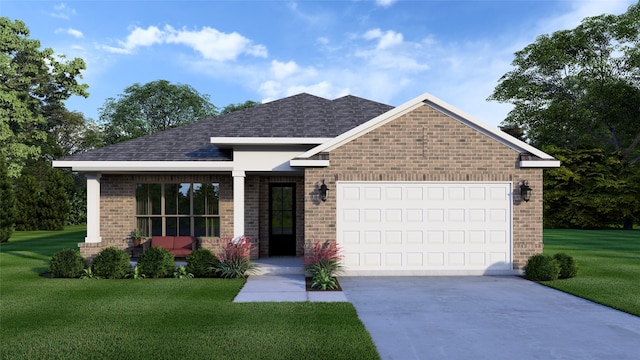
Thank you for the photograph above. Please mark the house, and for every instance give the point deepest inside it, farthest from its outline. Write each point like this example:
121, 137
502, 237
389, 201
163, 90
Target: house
422, 188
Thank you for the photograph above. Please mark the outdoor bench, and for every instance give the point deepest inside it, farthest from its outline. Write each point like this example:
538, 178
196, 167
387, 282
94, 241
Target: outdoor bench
179, 246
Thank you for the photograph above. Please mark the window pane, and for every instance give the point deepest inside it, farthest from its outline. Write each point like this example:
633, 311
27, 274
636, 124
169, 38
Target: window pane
276, 223
156, 226
155, 196
276, 198
213, 199
143, 224
199, 197
287, 198
185, 226
206, 226
171, 199
172, 227
184, 202
142, 199
287, 222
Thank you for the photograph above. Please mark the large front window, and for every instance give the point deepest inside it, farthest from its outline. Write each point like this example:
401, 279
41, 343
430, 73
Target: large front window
185, 209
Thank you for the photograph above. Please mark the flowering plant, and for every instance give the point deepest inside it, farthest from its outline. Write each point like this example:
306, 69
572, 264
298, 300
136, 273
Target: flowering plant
322, 261
234, 260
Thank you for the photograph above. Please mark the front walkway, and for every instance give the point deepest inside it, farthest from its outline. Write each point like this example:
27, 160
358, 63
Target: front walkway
280, 279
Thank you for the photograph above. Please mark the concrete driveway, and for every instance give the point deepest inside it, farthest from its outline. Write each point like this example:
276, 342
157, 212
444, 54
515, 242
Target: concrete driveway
487, 317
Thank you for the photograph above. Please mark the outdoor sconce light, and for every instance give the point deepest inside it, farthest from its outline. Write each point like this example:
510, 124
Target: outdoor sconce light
324, 191
525, 191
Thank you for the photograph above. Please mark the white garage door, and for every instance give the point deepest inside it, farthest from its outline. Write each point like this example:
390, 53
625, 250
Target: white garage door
421, 228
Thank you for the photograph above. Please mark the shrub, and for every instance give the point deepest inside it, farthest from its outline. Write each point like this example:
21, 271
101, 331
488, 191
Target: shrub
67, 263
541, 267
111, 263
182, 273
234, 261
568, 266
200, 261
322, 261
156, 262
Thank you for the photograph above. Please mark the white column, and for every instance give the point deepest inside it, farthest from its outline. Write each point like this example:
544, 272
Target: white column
93, 208
238, 203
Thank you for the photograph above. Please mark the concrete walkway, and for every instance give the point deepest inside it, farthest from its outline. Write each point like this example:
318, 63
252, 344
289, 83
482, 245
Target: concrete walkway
281, 279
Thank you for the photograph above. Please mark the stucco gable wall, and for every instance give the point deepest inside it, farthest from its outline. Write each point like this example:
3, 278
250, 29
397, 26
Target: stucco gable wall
426, 145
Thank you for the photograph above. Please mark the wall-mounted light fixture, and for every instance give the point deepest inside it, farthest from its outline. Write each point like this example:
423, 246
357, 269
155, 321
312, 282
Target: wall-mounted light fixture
324, 191
525, 190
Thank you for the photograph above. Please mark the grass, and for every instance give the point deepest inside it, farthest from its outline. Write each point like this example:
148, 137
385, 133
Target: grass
609, 265
156, 318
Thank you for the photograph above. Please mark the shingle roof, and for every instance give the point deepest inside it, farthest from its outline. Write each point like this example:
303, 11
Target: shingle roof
302, 115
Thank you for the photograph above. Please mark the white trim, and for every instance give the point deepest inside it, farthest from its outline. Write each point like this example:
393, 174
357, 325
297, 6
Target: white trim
437, 104
145, 165
93, 208
309, 163
539, 164
238, 203
230, 141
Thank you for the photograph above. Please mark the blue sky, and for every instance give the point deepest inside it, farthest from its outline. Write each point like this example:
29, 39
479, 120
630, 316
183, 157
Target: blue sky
388, 51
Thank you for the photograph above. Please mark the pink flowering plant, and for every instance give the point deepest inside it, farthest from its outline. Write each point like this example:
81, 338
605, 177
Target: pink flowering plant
322, 261
234, 261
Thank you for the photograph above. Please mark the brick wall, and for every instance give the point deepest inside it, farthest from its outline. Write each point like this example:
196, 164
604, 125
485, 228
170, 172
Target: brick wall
426, 145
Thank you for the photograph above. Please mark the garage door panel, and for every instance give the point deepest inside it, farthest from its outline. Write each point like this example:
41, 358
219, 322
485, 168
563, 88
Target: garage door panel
423, 226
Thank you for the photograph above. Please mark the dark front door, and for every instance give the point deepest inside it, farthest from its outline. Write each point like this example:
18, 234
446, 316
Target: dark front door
282, 220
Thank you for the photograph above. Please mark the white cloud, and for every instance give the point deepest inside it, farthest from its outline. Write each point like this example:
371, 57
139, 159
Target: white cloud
210, 43
385, 3
579, 9
69, 31
62, 11
282, 70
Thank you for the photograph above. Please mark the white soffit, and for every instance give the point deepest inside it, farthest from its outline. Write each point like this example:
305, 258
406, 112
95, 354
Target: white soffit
145, 165
540, 164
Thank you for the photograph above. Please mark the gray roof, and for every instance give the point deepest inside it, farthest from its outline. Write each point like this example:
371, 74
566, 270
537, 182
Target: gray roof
302, 116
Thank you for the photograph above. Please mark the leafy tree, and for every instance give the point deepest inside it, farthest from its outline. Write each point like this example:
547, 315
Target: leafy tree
30, 80
7, 203
53, 205
591, 190
240, 106
580, 88
69, 133
27, 203
152, 107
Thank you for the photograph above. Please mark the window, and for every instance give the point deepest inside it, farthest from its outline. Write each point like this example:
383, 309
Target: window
184, 209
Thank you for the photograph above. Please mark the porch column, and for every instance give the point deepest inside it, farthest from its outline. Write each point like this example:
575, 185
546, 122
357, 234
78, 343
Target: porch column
93, 208
238, 203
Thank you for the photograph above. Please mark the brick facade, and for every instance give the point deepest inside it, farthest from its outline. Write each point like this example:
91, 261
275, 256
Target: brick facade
423, 145
426, 145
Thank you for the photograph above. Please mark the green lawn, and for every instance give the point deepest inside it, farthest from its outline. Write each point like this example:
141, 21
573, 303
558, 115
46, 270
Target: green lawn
156, 318
609, 262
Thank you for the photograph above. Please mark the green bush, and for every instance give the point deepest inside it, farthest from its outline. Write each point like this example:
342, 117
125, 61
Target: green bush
568, 266
111, 263
541, 267
67, 263
156, 262
200, 261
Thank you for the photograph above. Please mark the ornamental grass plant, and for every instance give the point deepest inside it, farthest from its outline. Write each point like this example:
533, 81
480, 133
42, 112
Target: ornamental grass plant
323, 261
234, 261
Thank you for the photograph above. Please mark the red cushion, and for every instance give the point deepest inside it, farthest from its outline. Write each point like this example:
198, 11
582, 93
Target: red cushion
163, 241
183, 242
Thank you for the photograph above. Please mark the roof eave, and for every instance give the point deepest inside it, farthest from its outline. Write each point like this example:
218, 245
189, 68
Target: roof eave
143, 166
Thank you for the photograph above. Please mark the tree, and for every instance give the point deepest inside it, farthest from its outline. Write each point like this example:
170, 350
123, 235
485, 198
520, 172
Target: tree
68, 132
580, 88
7, 203
240, 106
30, 79
27, 203
591, 190
152, 107
53, 205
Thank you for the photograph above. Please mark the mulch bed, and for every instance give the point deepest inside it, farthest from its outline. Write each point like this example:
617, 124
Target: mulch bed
309, 288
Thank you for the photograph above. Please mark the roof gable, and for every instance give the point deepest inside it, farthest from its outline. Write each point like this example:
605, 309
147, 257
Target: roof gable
441, 106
